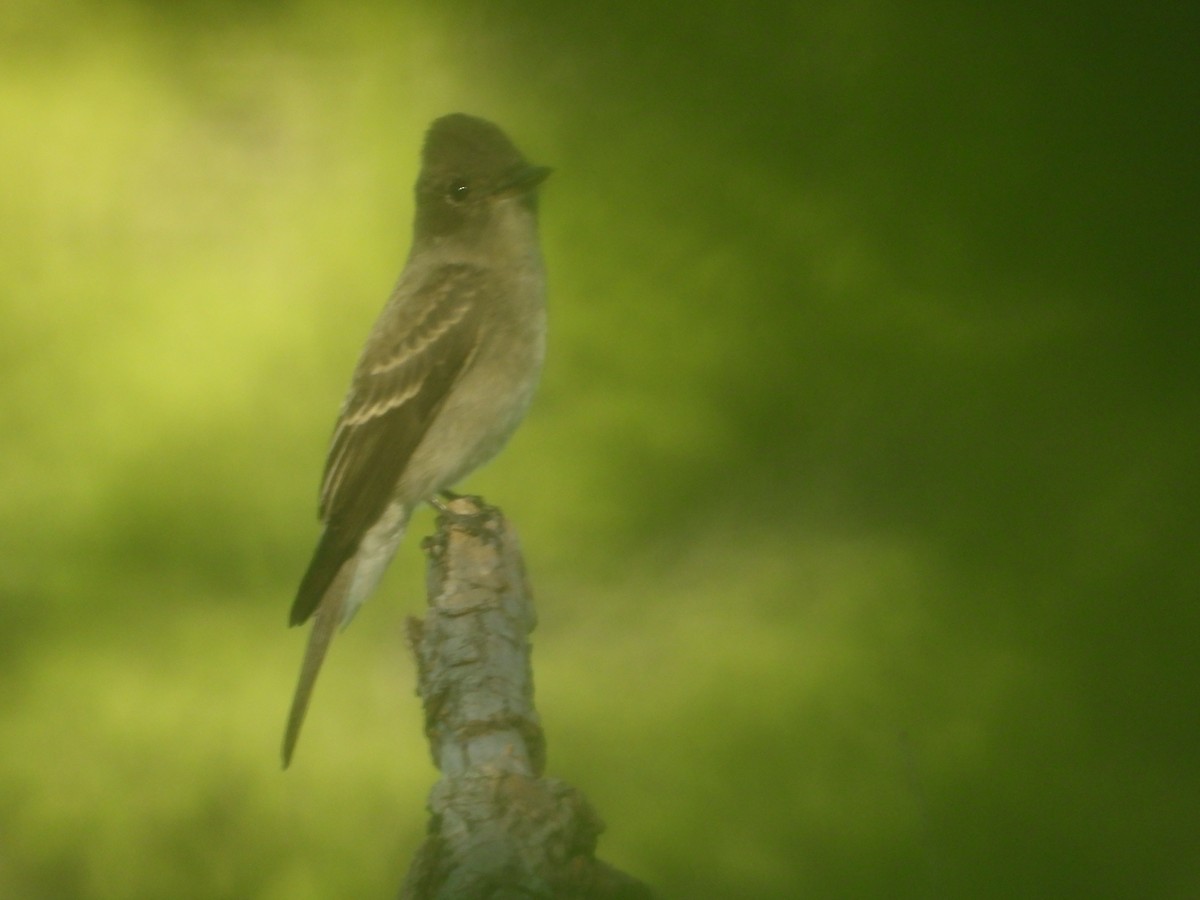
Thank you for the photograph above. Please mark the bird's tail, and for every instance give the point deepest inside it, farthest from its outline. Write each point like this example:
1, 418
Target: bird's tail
326, 620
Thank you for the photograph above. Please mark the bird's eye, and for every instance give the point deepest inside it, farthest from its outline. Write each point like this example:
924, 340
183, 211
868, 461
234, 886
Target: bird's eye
457, 191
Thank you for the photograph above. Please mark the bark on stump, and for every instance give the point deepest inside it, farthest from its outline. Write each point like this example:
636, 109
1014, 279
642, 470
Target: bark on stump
497, 828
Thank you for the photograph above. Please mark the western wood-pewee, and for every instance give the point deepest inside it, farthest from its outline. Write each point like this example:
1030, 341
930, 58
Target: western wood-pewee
446, 375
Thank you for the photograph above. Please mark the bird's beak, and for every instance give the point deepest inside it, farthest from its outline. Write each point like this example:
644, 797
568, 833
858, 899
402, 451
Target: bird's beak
522, 181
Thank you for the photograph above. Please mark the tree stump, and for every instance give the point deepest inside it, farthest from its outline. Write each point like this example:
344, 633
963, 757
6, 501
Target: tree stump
497, 828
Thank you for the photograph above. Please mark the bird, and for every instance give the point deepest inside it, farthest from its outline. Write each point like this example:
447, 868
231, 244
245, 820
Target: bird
446, 375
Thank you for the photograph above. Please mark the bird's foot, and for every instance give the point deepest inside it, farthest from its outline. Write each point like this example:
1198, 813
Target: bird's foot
470, 521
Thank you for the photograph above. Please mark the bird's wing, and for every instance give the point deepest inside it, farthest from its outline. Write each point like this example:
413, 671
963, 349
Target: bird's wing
407, 369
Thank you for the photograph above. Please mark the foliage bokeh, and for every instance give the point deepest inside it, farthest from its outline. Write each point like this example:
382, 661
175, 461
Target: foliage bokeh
860, 498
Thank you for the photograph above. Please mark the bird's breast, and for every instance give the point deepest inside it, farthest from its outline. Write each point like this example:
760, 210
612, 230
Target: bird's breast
494, 391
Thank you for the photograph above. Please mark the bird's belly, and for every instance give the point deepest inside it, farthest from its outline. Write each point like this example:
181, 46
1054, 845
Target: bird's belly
481, 414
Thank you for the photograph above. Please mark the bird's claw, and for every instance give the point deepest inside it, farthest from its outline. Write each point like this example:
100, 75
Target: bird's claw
469, 521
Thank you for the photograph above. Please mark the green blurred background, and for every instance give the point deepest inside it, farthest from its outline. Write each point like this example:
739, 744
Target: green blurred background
860, 499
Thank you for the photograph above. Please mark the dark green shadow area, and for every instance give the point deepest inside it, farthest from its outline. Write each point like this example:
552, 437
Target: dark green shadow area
860, 499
